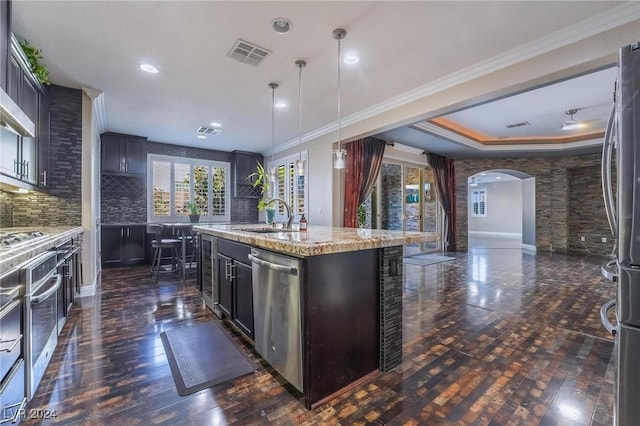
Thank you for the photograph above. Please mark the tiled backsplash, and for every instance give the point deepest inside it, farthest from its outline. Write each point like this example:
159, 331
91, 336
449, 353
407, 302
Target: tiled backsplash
62, 205
129, 205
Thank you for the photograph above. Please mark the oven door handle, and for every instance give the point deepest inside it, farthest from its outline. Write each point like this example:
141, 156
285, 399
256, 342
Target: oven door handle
12, 294
44, 296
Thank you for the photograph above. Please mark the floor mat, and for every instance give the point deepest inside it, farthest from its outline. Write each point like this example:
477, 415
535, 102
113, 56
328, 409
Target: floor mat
426, 259
203, 355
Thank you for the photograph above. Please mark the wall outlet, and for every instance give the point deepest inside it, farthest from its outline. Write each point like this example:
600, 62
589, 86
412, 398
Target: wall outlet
604, 239
582, 238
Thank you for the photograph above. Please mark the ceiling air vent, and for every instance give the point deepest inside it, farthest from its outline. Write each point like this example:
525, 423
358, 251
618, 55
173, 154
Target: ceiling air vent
205, 130
522, 123
248, 53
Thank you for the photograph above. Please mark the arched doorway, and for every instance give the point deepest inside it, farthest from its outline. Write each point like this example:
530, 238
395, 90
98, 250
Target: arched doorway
501, 210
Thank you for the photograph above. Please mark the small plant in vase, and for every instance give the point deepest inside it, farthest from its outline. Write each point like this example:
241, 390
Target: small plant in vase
194, 213
263, 181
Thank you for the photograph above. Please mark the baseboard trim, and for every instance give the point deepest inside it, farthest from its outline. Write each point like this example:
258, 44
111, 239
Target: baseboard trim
89, 290
529, 247
513, 235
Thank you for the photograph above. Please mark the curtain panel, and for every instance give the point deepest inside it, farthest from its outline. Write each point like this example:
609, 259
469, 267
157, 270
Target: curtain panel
363, 163
443, 172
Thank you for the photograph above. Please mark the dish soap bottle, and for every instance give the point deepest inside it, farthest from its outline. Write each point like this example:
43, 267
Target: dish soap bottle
303, 223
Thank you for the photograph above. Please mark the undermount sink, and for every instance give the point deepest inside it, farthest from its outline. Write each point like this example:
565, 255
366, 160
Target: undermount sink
268, 230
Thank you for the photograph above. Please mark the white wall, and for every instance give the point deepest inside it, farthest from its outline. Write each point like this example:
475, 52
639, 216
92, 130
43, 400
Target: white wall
90, 190
504, 210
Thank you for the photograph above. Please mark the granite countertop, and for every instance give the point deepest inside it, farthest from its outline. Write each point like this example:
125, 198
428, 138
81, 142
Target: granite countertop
10, 258
317, 240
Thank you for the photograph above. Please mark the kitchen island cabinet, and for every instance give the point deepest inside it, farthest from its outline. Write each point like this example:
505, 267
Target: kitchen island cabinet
350, 300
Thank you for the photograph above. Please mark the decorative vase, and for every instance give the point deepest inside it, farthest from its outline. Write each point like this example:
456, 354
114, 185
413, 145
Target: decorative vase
194, 218
270, 215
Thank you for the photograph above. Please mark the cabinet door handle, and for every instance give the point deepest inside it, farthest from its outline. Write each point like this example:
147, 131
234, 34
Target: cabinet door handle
226, 270
121, 232
44, 178
128, 232
27, 167
15, 167
232, 268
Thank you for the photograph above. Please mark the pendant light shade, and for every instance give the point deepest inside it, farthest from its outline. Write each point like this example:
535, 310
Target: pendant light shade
339, 154
272, 170
300, 162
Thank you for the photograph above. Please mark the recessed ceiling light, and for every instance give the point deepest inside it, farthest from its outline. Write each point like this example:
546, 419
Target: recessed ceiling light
498, 177
149, 68
483, 174
351, 59
202, 137
215, 124
281, 104
281, 25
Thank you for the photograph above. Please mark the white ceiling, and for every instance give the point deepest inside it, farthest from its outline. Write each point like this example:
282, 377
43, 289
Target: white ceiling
402, 46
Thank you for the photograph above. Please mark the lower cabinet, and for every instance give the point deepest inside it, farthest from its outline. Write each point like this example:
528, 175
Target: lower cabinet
235, 287
123, 245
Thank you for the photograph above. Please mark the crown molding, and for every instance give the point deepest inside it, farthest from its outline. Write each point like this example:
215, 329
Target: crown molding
618, 16
97, 101
461, 140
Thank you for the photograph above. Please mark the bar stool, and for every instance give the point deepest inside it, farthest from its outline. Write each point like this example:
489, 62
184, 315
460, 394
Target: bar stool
158, 243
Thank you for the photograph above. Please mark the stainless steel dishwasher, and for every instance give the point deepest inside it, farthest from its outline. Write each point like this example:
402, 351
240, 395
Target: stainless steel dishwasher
277, 312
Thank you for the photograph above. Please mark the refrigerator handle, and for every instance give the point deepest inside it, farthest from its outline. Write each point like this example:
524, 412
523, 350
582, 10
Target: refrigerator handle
604, 318
609, 270
607, 190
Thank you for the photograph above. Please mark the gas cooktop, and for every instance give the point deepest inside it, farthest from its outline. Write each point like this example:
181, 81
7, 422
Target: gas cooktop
15, 239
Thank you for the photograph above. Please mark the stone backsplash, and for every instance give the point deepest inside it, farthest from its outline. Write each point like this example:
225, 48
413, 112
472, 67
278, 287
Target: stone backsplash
61, 206
128, 203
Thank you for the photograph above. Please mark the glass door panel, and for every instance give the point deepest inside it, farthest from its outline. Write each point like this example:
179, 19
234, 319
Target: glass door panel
430, 208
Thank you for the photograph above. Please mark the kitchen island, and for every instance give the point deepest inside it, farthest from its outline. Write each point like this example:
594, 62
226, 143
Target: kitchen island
343, 291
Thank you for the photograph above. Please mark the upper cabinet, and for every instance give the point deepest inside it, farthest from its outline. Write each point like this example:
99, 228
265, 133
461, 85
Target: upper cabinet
5, 37
123, 155
27, 157
244, 164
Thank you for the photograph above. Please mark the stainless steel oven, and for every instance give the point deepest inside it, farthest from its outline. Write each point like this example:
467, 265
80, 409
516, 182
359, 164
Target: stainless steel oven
42, 283
12, 365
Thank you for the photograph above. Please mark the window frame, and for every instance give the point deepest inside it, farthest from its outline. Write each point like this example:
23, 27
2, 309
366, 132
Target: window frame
193, 162
480, 192
285, 162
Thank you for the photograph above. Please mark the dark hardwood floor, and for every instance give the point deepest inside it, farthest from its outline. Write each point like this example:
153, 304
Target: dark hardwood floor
495, 337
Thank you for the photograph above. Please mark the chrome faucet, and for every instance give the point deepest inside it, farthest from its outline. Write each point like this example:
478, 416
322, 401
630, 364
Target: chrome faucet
286, 206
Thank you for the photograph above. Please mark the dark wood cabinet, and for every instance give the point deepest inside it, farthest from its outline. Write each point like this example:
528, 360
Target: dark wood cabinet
225, 285
244, 164
29, 161
123, 245
243, 303
5, 37
123, 155
235, 285
43, 142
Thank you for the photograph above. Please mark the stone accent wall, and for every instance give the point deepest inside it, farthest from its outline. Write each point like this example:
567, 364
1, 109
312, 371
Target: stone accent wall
62, 206
586, 215
129, 205
556, 200
390, 259
391, 203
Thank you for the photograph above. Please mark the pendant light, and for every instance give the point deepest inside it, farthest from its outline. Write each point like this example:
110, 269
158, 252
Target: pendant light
339, 154
300, 162
272, 170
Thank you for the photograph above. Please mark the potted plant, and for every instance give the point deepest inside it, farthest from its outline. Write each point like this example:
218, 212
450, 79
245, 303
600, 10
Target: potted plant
194, 213
263, 181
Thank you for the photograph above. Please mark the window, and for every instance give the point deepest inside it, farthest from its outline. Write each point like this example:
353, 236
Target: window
290, 187
479, 203
173, 182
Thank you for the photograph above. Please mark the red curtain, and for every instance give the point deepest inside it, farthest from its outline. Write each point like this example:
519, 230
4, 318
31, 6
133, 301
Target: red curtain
445, 183
363, 163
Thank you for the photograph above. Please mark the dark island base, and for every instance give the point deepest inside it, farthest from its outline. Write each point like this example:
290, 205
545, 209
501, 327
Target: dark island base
352, 320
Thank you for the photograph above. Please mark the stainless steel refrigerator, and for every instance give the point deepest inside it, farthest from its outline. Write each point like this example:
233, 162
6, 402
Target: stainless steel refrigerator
622, 147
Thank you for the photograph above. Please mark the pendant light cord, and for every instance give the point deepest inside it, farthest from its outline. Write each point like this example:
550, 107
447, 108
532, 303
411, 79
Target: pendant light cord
273, 126
339, 98
300, 110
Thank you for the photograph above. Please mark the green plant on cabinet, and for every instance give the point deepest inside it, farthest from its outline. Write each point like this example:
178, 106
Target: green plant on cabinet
34, 55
